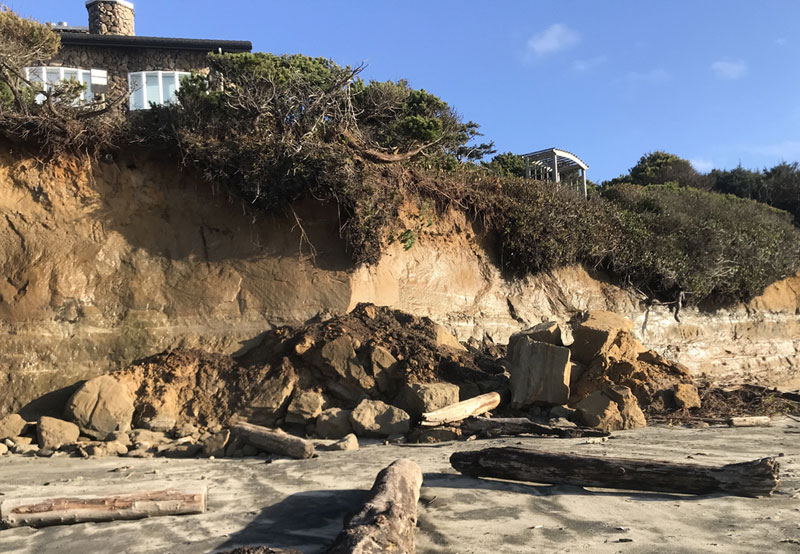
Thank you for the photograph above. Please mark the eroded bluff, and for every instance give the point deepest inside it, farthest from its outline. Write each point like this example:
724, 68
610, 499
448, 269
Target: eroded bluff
102, 264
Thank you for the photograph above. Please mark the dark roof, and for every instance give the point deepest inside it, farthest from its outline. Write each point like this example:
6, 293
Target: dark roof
69, 38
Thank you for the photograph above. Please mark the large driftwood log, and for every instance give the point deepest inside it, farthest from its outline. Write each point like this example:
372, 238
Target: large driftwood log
462, 410
755, 478
387, 520
274, 441
511, 426
44, 512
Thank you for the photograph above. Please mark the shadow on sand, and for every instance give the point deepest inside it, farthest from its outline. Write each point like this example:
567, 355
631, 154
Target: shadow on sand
307, 521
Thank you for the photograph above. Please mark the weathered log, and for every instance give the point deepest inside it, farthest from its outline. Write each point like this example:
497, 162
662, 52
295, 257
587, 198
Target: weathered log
387, 520
44, 512
749, 421
462, 410
755, 478
274, 441
510, 426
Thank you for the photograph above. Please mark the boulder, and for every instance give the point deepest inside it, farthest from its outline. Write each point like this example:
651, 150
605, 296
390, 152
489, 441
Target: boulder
12, 425
174, 450
54, 433
162, 422
120, 437
446, 338
334, 423
338, 359
304, 407
101, 406
419, 398
3, 448
540, 372
564, 412
686, 396
382, 361
547, 331
349, 442
596, 333
215, 444
628, 405
270, 402
373, 418
103, 449
598, 410
144, 438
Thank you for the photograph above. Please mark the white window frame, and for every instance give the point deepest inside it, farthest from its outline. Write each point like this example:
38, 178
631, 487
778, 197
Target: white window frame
142, 75
86, 74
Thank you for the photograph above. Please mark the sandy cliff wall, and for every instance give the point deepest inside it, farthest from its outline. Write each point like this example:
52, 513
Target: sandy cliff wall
100, 265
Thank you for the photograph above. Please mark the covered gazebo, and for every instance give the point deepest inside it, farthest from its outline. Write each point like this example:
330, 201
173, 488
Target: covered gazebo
558, 166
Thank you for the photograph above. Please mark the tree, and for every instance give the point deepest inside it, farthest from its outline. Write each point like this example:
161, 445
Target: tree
782, 188
23, 42
506, 165
739, 182
660, 167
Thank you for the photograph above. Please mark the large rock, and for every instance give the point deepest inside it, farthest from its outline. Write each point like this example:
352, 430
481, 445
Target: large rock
596, 333
612, 409
628, 405
686, 396
446, 338
215, 444
12, 425
382, 363
540, 372
598, 410
304, 407
419, 398
547, 331
270, 402
373, 418
334, 423
54, 433
339, 360
101, 406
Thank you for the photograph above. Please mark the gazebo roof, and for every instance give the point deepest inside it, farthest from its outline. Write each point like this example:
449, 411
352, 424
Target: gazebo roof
566, 160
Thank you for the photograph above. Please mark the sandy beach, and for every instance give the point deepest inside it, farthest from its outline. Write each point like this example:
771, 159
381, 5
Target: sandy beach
300, 504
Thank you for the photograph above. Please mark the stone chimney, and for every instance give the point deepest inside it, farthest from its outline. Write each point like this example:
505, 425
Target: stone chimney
110, 17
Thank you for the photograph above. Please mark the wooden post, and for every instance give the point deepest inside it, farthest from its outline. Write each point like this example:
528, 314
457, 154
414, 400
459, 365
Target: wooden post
387, 520
527, 168
583, 178
756, 478
44, 512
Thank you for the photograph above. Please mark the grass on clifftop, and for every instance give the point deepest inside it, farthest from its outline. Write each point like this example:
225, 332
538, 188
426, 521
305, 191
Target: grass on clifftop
272, 129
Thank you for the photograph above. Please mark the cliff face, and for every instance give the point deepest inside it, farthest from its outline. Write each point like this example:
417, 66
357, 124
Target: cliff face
102, 264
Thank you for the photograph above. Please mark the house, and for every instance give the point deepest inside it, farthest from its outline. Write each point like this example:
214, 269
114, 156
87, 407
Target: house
107, 55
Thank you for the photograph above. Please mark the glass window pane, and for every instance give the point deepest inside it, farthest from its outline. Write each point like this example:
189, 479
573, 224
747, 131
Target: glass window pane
53, 75
151, 86
36, 74
170, 87
137, 92
70, 74
85, 78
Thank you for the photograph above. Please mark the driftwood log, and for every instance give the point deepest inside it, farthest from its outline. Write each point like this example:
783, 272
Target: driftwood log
44, 512
511, 426
462, 410
755, 478
387, 520
749, 421
274, 441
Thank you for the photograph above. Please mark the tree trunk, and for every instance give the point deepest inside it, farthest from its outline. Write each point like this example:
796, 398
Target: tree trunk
387, 520
274, 441
755, 478
44, 512
462, 410
510, 426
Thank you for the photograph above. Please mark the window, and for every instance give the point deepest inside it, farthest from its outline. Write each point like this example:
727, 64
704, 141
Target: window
48, 77
156, 87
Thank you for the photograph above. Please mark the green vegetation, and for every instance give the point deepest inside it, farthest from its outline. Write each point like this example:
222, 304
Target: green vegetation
272, 129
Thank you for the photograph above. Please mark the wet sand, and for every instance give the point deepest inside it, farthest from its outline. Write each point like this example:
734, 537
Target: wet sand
300, 504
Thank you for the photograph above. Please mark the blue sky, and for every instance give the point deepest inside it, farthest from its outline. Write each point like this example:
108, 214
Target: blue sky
714, 81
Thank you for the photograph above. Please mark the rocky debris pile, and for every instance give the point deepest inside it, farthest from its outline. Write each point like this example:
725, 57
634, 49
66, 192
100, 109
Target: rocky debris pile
374, 373
605, 374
